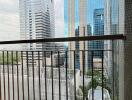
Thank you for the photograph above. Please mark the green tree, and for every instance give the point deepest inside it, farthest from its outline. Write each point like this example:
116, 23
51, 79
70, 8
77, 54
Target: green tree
96, 81
9, 58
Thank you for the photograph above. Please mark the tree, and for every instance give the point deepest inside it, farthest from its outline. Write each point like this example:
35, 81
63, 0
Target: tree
96, 81
10, 58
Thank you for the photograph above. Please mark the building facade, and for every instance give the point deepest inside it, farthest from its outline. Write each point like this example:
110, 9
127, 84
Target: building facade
36, 22
71, 30
82, 30
114, 24
128, 49
77, 50
98, 30
82, 9
90, 45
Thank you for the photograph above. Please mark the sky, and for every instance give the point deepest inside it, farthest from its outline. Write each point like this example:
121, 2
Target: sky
9, 19
59, 18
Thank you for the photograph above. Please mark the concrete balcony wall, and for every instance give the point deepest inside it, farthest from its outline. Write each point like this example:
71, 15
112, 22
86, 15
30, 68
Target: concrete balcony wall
128, 51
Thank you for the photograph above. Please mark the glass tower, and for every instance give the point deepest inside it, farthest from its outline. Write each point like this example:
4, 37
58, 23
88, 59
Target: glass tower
98, 30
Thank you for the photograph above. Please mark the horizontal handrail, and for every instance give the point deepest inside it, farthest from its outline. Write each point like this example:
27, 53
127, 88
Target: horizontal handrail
61, 51
68, 39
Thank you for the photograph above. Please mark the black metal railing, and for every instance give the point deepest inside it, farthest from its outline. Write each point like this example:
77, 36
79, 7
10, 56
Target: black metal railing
31, 75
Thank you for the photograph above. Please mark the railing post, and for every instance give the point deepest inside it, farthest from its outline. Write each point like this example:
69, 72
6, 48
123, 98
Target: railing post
52, 72
83, 54
102, 53
74, 75
17, 74
27, 61
92, 75
45, 64
39, 72
33, 75
23, 90
59, 73
113, 72
66, 76
0, 83
8, 75
3, 55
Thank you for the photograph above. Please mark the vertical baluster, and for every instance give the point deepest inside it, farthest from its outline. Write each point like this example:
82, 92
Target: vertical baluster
66, 77
74, 75
39, 70
113, 72
45, 76
83, 54
92, 75
22, 75
84, 63
52, 72
8, 76
102, 53
59, 75
3, 55
27, 58
17, 74
12, 74
33, 74
0, 82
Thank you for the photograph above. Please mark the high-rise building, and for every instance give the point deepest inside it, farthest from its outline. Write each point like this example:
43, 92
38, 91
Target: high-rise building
82, 9
82, 14
128, 48
90, 45
89, 29
114, 24
37, 22
107, 44
77, 50
71, 30
98, 30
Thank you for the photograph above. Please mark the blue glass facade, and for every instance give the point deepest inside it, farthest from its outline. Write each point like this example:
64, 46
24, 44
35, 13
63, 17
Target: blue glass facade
77, 50
99, 21
98, 30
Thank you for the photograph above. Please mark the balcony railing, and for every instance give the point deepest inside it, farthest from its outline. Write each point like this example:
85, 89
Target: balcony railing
32, 75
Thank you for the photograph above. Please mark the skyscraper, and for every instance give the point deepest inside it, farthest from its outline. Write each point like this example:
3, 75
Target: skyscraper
37, 22
77, 50
114, 24
82, 9
71, 30
82, 14
90, 45
98, 30
89, 29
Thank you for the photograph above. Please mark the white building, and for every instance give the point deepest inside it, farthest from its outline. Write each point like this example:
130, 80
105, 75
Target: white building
98, 94
107, 44
36, 22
